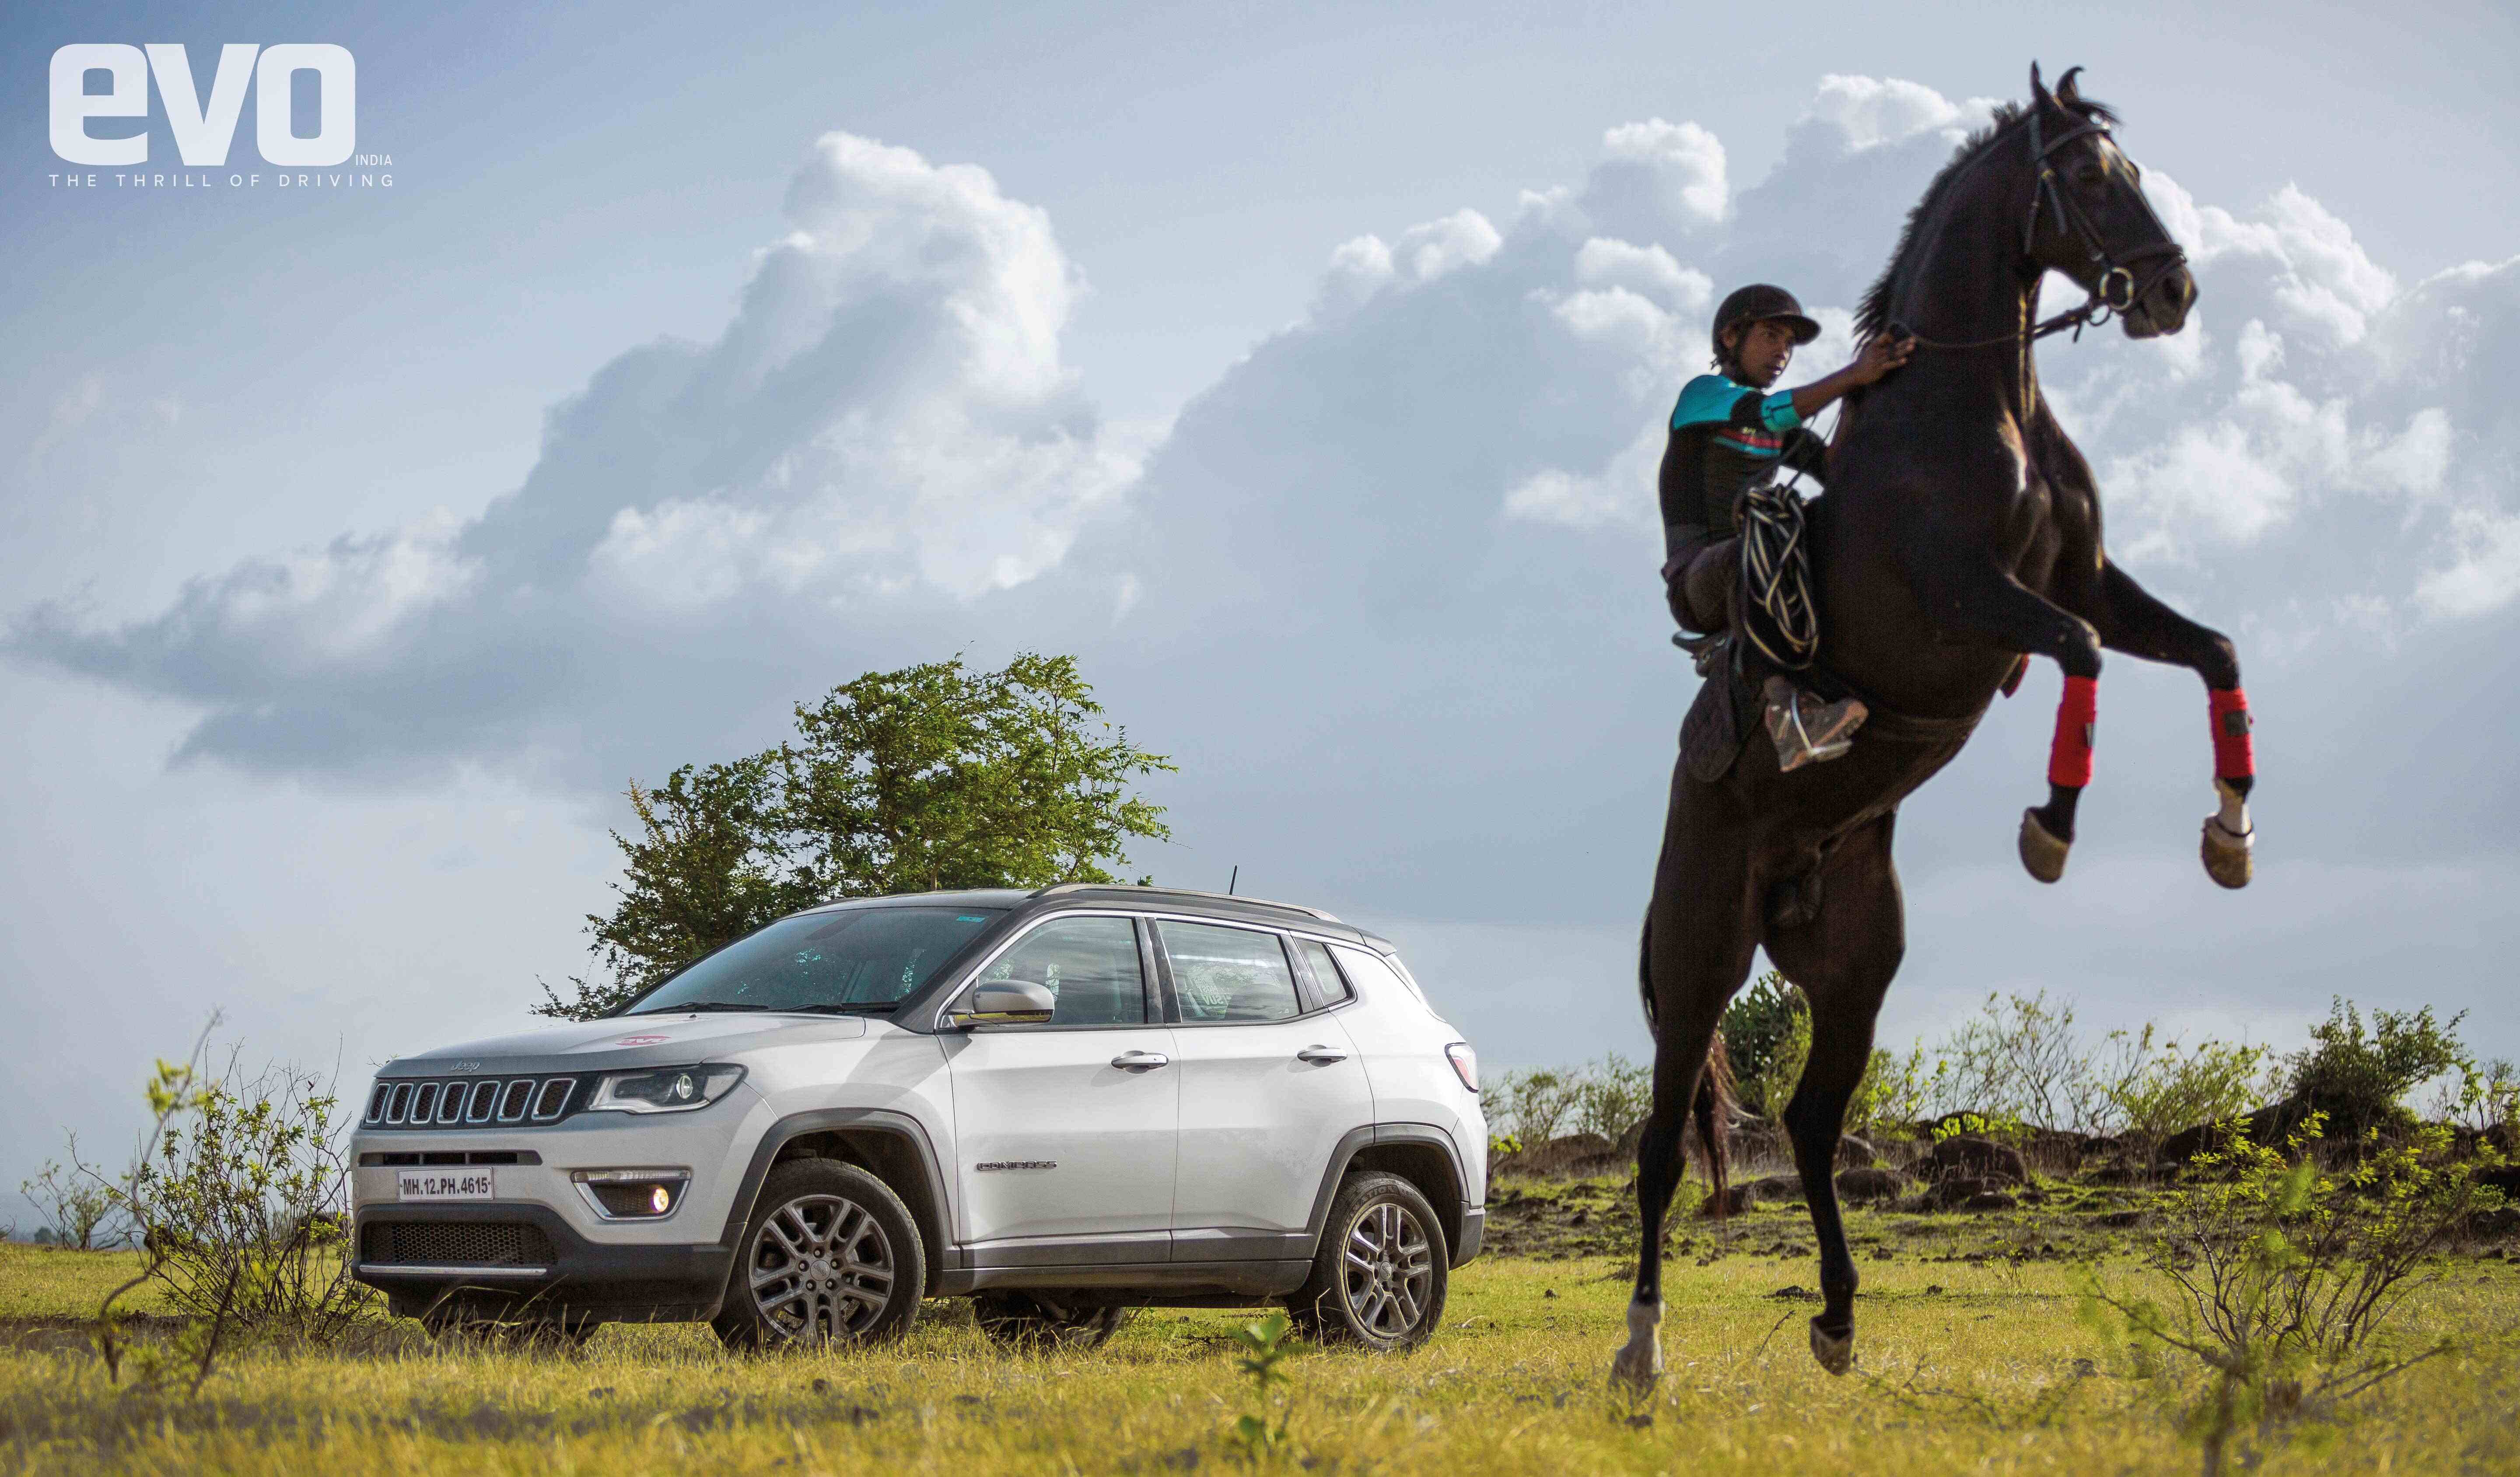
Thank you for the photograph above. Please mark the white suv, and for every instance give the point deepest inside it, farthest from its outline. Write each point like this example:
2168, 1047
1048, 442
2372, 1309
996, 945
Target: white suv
1066, 1102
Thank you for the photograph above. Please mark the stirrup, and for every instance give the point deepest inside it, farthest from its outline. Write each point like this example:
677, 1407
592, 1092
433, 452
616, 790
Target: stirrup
1709, 651
1807, 730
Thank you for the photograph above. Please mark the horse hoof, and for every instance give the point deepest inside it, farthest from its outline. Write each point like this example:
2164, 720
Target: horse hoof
2228, 859
1834, 1351
1636, 1373
2043, 856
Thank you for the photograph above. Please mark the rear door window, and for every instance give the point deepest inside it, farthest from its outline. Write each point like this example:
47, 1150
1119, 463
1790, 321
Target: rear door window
1229, 975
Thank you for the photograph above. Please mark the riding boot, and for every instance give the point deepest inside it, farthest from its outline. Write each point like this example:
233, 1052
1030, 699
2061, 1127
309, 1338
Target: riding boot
1807, 730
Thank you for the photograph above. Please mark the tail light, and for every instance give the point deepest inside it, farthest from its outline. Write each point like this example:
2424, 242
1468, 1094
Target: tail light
1466, 1064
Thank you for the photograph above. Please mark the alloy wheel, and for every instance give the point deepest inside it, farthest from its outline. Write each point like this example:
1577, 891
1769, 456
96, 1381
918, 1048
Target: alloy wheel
1388, 1270
821, 1270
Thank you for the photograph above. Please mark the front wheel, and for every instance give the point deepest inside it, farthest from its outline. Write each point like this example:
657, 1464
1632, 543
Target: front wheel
1379, 1277
830, 1256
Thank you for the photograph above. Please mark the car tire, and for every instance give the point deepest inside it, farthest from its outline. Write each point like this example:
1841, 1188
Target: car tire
829, 1255
1039, 1322
1380, 1274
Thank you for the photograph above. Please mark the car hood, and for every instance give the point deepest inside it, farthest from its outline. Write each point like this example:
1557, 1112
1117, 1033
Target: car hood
629, 1042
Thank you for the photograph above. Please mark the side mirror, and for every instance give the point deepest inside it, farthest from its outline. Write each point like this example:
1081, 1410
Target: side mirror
1008, 1002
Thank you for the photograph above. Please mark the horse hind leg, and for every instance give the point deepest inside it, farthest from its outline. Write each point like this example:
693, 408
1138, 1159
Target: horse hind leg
1843, 962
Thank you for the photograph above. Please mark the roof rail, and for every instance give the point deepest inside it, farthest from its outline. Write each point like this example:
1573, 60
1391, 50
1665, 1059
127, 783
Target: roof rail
1056, 888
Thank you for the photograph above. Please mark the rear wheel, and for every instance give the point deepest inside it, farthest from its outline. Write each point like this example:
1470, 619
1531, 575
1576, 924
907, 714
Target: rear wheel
830, 1256
1380, 1276
1043, 1322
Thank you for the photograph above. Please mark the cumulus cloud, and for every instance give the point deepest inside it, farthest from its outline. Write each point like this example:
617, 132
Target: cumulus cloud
886, 418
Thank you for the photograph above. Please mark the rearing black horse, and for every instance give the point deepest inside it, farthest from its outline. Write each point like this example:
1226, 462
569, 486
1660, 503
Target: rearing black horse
1961, 530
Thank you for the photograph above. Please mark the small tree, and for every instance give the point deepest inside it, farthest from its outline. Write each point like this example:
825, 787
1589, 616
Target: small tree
2356, 1077
931, 776
77, 1210
1767, 1033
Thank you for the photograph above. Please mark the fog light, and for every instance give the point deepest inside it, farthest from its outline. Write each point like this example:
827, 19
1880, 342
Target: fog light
633, 1194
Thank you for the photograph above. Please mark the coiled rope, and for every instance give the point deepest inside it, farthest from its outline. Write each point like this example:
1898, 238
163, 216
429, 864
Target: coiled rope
1778, 611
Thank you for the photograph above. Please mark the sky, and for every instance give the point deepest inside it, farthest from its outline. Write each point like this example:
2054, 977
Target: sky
1301, 370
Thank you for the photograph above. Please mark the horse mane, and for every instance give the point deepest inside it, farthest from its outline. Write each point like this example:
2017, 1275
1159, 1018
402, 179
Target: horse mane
1874, 314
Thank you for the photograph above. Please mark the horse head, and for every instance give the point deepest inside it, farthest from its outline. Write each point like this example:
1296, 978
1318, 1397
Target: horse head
2088, 218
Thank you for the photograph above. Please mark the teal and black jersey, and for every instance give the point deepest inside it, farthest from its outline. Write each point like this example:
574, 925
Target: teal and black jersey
1724, 436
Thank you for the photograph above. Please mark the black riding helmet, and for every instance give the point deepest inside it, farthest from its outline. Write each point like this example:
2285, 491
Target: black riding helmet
1755, 304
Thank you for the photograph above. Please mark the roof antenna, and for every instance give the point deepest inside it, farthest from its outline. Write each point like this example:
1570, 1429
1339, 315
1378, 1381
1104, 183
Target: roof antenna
1236, 877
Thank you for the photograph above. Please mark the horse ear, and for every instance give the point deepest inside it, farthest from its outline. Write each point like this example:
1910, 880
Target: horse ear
2065, 90
2039, 97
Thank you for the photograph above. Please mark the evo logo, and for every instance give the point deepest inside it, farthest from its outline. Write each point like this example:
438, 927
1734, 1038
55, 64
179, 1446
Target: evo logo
203, 132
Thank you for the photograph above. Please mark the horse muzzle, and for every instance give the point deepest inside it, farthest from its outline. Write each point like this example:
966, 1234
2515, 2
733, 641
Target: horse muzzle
2162, 310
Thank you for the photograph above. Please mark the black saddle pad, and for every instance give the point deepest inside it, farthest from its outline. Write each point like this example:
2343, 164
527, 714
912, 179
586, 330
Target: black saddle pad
1718, 726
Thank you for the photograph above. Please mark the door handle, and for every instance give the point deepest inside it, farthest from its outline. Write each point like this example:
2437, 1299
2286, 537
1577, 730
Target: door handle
1322, 1055
1140, 1061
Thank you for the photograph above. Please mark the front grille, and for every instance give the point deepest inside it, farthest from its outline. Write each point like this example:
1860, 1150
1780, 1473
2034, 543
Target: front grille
455, 1243
469, 1102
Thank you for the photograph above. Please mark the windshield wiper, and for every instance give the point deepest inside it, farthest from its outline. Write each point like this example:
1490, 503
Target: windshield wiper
698, 1006
878, 1007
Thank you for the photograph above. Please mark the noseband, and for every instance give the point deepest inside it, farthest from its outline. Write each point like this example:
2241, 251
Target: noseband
2119, 289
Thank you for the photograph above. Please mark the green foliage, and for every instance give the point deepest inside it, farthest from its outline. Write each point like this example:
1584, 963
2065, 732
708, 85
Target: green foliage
1531, 1105
1757, 1023
2356, 1077
2145, 1091
1264, 1348
2486, 1100
2288, 1277
78, 1211
930, 776
1895, 1091
1612, 1096
244, 1203
2000, 1128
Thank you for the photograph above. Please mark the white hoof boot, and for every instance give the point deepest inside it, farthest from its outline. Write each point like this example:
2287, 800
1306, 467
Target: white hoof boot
2230, 840
1639, 1362
1834, 1351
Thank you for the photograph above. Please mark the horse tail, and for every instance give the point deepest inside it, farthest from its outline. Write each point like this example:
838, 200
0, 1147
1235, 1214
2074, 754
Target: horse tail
1712, 1109
1713, 1112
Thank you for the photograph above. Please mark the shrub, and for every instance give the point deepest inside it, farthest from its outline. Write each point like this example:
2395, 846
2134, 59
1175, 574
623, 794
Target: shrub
2357, 1078
1612, 1096
241, 1202
2147, 1092
2288, 1278
78, 1211
1760, 1021
2016, 1058
1894, 1093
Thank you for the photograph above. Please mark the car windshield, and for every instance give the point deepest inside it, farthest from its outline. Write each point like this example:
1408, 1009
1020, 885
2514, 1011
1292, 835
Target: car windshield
862, 958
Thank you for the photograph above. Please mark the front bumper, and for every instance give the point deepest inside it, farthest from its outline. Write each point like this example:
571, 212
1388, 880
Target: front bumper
543, 1243
578, 1277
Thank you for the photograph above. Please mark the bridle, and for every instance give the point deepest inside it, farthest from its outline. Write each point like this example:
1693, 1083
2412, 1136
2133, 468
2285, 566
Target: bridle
2118, 289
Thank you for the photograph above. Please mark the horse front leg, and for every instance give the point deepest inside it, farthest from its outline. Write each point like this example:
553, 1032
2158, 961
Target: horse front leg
2132, 620
1962, 589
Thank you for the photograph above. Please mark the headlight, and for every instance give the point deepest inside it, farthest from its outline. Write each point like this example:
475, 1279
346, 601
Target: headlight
662, 1089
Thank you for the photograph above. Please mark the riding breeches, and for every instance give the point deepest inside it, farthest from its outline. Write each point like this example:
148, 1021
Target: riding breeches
1698, 577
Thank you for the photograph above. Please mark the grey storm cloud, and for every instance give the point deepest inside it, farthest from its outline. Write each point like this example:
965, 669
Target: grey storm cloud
1386, 586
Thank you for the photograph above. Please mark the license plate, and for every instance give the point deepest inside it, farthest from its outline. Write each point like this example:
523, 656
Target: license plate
445, 1184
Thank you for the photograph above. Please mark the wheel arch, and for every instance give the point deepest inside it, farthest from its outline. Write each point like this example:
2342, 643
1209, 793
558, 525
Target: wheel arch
1422, 1154
891, 1146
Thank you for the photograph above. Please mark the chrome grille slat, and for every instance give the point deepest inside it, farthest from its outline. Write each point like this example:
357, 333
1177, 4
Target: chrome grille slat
471, 1103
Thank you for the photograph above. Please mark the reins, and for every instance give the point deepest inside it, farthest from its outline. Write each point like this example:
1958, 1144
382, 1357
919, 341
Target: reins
2118, 289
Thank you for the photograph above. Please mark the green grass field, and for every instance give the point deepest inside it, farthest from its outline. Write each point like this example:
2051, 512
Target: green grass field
1977, 1365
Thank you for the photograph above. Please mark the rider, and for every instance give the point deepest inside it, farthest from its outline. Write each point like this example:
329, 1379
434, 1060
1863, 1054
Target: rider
1728, 431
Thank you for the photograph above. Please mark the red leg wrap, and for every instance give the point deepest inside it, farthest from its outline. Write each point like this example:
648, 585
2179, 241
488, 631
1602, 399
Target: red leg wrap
2069, 757
2235, 754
